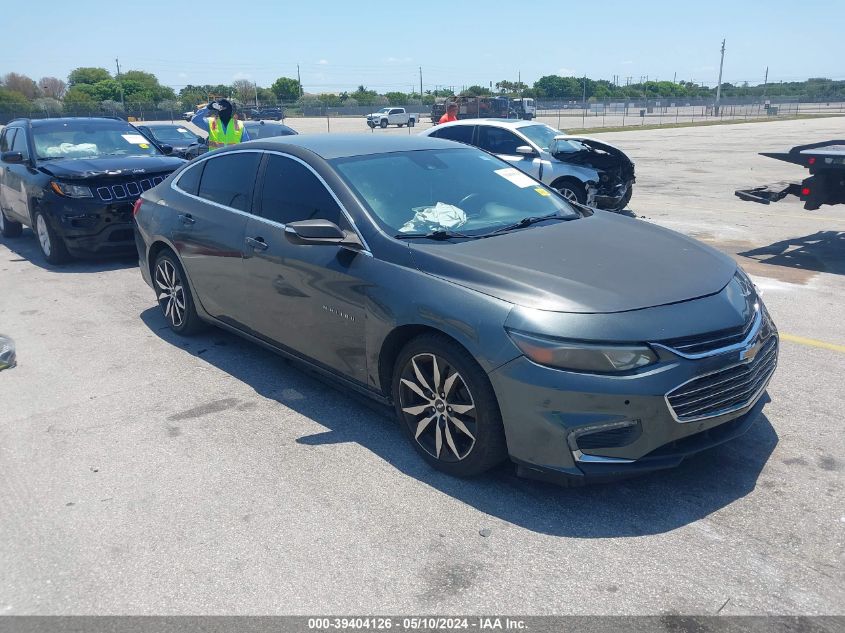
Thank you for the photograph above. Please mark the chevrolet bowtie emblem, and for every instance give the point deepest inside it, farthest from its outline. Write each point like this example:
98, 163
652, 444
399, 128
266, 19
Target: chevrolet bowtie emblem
750, 352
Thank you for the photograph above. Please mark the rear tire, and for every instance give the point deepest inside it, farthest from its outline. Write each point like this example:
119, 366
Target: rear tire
174, 295
51, 244
411, 123
9, 228
457, 428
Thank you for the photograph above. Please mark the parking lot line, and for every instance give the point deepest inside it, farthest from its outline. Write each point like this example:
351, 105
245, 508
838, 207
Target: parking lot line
812, 342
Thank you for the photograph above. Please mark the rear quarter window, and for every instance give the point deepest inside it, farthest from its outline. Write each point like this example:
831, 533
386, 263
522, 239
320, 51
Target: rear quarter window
189, 181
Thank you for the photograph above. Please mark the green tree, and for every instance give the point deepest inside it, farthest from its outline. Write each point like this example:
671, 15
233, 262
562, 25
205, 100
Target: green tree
12, 99
22, 84
286, 89
476, 91
87, 76
396, 98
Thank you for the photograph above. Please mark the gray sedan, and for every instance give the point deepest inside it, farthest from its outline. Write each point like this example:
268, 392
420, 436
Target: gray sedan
499, 320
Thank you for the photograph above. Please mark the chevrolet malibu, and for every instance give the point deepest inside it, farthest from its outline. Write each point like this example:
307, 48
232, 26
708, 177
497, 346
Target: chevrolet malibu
498, 319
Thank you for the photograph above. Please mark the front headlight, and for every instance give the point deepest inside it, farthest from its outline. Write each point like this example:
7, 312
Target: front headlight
71, 191
585, 357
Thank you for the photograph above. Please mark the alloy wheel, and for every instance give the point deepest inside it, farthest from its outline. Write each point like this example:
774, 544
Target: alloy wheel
43, 235
568, 194
2, 222
170, 292
438, 408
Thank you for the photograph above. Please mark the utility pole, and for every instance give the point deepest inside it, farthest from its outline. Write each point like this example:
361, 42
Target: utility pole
421, 93
120, 83
299, 80
255, 85
765, 81
675, 76
719, 87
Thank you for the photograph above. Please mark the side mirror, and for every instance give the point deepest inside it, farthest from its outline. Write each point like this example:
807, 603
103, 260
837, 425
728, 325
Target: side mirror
317, 232
11, 157
167, 150
525, 150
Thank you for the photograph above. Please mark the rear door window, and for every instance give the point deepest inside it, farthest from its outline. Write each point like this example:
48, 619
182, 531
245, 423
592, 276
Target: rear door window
189, 181
230, 179
459, 133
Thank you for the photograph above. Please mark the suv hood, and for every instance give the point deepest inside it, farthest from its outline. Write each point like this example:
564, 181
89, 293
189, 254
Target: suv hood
600, 264
82, 168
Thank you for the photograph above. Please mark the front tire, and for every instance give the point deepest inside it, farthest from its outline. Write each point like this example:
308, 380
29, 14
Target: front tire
447, 406
52, 246
174, 296
383, 124
625, 199
572, 191
9, 228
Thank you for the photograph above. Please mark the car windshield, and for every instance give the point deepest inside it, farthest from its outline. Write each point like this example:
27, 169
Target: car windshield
458, 190
383, 110
173, 134
90, 140
542, 135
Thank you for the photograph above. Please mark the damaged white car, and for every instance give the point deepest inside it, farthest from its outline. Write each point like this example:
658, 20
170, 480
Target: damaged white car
582, 169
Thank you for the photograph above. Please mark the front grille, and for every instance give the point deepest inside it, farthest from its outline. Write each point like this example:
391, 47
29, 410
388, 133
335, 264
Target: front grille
705, 343
727, 390
610, 438
128, 189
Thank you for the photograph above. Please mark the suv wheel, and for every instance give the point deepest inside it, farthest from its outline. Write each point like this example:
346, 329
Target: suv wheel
174, 296
9, 228
411, 123
447, 407
52, 246
383, 124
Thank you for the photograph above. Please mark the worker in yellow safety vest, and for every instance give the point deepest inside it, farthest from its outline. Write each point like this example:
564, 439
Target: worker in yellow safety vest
219, 121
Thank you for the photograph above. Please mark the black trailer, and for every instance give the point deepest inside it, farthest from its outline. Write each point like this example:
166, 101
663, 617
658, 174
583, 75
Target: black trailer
826, 184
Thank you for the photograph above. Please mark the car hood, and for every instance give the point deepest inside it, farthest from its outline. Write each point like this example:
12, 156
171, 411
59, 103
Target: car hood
600, 264
82, 168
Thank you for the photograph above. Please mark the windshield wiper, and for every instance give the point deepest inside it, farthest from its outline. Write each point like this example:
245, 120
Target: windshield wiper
436, 234
533, 219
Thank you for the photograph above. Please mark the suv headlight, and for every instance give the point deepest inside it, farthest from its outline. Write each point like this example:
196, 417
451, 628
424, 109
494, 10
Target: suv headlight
71, 191
584, 357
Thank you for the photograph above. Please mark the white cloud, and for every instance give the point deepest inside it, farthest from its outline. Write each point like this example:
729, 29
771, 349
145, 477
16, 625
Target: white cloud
398, 60
323, 62
241, 75
627, 62
566, 72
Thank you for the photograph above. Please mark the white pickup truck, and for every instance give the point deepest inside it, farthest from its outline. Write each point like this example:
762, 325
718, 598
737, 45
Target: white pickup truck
392, 116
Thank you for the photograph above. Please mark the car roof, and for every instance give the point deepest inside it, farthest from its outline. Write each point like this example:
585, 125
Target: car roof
512, 124
88, 120
329, 146
159, 124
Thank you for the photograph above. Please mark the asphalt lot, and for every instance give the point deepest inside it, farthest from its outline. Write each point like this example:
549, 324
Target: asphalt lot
145, 474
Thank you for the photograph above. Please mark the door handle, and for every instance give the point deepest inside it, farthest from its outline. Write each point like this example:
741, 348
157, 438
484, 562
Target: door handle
257, 243
186, 219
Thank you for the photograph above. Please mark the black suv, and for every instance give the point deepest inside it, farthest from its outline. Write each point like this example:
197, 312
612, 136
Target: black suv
74, 181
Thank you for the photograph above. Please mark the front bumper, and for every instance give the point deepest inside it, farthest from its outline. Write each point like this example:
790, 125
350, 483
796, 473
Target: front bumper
89, 227
548, 413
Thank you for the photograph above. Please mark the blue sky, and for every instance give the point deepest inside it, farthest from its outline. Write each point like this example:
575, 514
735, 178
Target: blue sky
382, 44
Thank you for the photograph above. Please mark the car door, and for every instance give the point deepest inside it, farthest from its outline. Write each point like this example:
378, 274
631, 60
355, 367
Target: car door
209, 229
395, 117
503, 143
15, 177
6, 138
310, 299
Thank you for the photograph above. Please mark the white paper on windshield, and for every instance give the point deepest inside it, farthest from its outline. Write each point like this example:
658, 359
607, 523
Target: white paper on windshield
135, 139
181, 129
516, 177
